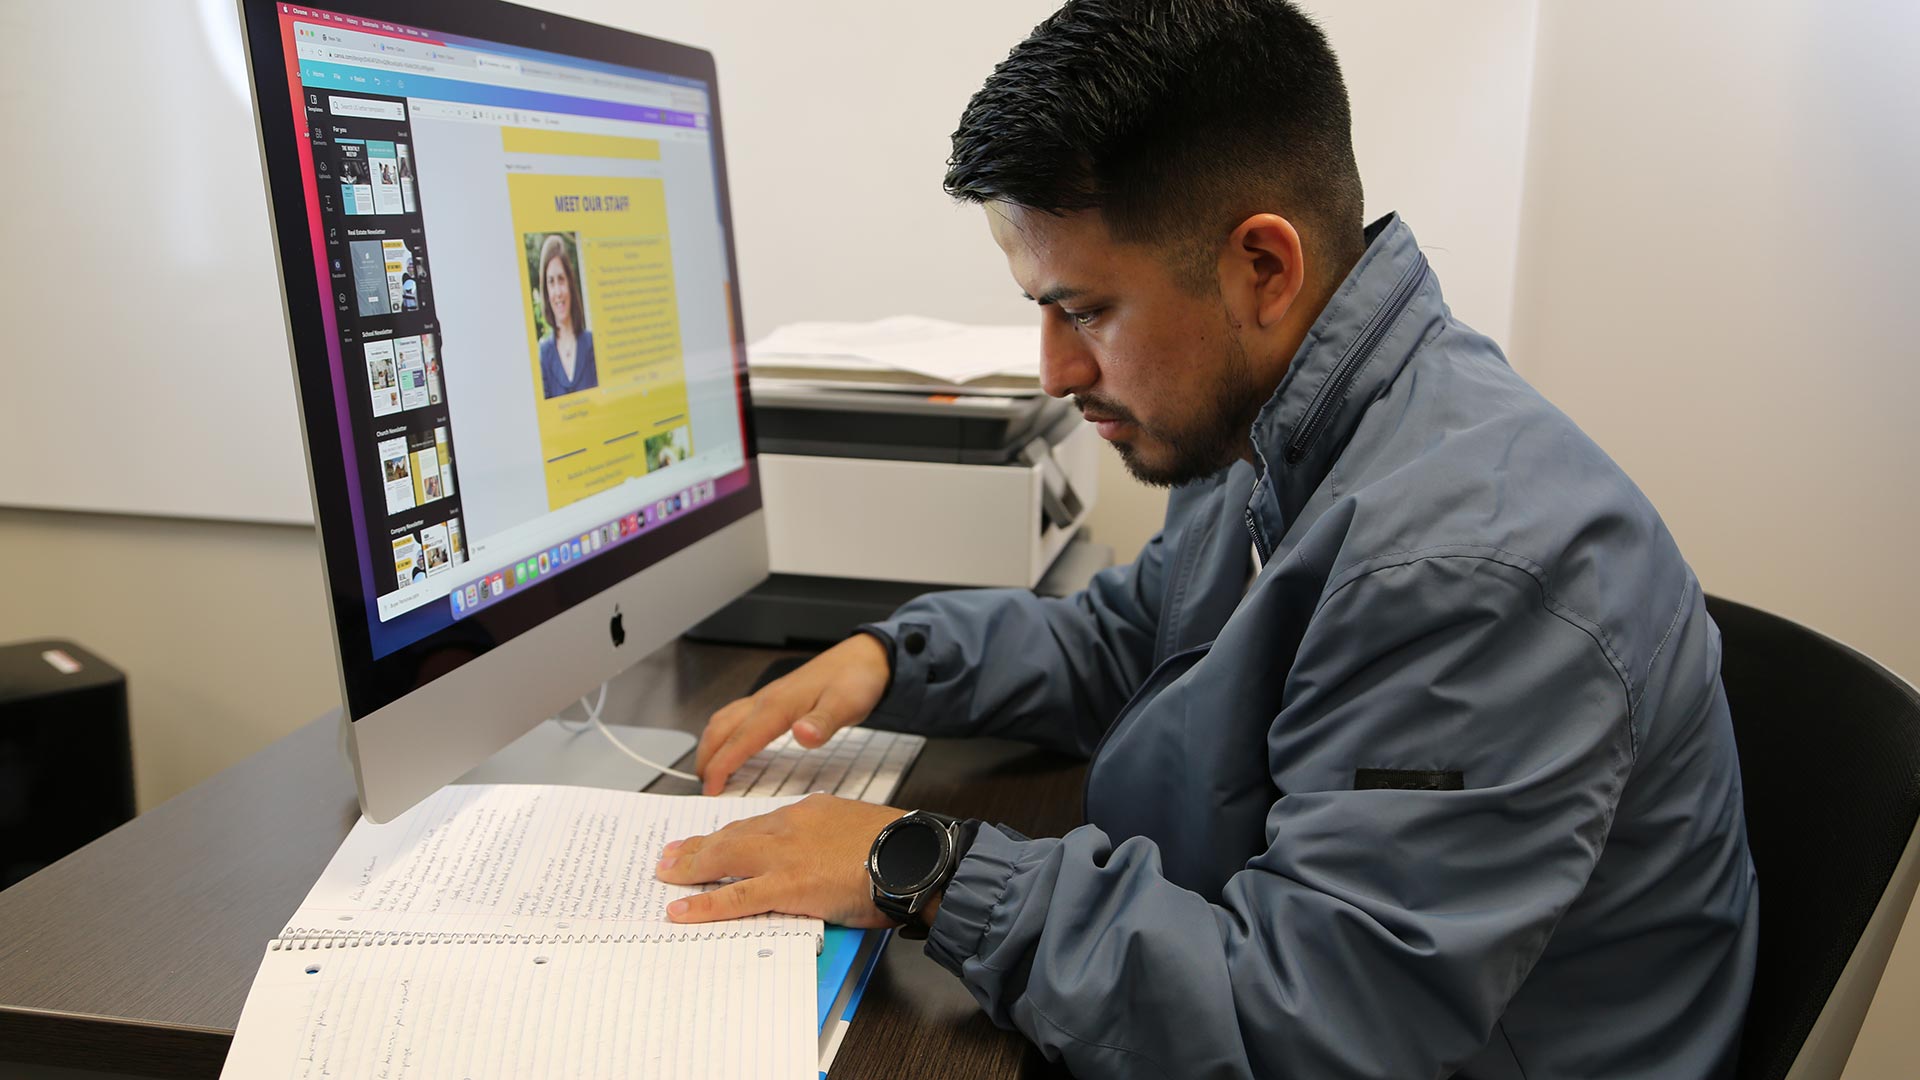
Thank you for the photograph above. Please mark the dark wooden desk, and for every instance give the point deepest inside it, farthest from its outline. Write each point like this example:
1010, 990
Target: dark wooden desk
135, 953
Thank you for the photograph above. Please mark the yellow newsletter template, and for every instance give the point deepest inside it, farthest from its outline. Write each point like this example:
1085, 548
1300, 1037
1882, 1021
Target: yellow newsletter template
603, 330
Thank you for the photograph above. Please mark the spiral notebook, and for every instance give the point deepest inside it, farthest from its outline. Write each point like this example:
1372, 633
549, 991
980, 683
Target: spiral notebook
519, 931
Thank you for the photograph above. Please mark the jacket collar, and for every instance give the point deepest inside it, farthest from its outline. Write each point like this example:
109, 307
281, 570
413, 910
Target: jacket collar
1355, 349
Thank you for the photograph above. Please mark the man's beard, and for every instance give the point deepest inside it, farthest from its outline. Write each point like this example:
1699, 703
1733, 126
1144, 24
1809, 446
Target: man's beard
1218, 436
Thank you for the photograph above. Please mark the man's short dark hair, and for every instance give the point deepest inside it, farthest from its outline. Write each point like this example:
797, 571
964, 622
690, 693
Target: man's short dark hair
1176, 119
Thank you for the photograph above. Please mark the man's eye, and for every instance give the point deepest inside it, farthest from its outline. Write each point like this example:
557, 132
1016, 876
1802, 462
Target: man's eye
1081, 318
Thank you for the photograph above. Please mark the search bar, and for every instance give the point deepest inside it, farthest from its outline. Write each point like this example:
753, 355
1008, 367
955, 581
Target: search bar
366, 109
371, 60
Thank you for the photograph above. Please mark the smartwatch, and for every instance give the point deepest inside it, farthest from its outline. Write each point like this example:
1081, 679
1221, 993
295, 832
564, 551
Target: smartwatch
911, 862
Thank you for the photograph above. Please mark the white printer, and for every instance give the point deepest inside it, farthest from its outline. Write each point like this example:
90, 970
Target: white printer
877, 491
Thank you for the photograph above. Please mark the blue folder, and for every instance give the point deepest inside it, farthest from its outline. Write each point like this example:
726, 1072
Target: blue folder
840, 949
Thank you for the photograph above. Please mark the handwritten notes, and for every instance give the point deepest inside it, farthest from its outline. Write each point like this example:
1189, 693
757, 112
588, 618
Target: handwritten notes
517, 859
519, 931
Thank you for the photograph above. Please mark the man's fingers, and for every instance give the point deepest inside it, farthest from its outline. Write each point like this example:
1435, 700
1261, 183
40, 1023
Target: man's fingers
827, 716
833, 690
728, 853
747, 739
719, 726
735, 901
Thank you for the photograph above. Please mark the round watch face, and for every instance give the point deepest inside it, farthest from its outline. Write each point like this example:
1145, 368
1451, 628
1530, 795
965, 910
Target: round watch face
909, 857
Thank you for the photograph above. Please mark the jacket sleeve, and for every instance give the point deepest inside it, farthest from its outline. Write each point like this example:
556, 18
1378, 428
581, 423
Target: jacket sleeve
1381, 932
1053, 671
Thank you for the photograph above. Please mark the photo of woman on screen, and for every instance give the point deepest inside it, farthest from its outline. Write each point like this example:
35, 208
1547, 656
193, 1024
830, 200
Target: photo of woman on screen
566, 348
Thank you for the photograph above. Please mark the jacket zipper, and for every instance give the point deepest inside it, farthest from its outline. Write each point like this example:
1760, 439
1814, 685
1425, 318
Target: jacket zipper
1086, 782
1371, 335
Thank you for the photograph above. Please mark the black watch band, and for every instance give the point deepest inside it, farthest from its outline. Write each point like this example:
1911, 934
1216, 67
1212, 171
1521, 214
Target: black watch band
910, 863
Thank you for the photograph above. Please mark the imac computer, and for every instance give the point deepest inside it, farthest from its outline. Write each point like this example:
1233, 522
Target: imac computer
514, 316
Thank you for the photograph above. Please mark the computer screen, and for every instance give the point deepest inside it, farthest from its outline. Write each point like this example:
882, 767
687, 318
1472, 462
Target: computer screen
513, 308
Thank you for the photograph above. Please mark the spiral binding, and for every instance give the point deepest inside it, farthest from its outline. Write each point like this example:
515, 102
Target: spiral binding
297, 939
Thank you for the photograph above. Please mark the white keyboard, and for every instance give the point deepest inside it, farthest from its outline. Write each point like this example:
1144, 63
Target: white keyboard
857, 763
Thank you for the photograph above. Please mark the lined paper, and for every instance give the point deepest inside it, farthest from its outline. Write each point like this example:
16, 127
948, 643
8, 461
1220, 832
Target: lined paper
523, 860
693, 1008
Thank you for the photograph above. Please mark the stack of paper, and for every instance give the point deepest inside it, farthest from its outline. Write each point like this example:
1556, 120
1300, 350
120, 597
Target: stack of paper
932, 349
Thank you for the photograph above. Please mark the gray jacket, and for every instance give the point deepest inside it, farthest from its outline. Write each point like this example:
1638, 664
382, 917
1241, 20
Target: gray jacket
1451, 789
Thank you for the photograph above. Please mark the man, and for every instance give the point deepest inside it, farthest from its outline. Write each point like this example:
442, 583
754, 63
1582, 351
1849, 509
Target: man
1410, 755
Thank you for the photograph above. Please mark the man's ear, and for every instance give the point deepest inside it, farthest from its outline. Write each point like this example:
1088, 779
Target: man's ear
1264, 270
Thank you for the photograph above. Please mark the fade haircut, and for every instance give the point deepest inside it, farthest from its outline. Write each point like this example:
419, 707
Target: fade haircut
1176, 119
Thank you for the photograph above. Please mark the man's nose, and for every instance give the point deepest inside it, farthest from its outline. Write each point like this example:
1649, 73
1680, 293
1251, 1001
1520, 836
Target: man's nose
1066, 367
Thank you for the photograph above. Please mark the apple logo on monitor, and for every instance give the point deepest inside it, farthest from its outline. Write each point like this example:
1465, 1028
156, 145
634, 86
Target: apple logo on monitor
618, 631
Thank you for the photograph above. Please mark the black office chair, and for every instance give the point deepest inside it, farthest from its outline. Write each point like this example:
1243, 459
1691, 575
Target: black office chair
1830, 759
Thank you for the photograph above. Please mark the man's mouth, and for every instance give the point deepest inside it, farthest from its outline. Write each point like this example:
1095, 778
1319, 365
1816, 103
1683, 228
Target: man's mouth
1110, 425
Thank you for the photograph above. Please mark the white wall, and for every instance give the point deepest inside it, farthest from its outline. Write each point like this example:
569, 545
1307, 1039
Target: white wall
1716, 281
146, 352
1440, 97
1717, 278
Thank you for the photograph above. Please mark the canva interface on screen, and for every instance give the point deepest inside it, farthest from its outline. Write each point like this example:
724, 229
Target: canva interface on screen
528, 292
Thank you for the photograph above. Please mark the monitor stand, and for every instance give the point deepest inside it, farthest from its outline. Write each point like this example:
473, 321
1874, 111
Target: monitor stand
570, 751
575, 753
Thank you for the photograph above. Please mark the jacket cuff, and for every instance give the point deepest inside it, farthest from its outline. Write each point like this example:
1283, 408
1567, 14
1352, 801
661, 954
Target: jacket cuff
909, 651
979, 884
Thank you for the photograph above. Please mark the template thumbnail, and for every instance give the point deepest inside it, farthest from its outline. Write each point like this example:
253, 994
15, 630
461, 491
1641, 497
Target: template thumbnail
430, 348
381, 380
443, 448
434, 551
413, 372
407, 202
406, 560
371, 276
396, 473
356, 189
426, 476
385, 165
398, 262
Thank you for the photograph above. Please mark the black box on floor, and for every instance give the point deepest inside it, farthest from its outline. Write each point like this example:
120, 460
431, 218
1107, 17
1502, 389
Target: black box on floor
66, 757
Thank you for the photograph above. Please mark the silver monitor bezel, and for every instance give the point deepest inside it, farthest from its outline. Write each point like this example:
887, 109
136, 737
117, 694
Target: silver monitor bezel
421, 716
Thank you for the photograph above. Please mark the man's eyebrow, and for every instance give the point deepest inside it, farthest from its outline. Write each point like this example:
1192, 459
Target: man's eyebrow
1053, 295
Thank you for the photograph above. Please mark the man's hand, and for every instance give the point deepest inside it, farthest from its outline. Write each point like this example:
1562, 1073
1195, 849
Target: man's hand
809, 858
836, 689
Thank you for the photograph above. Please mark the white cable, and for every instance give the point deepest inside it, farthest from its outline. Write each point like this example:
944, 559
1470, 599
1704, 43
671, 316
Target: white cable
592, 711
593, 717
650, 764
